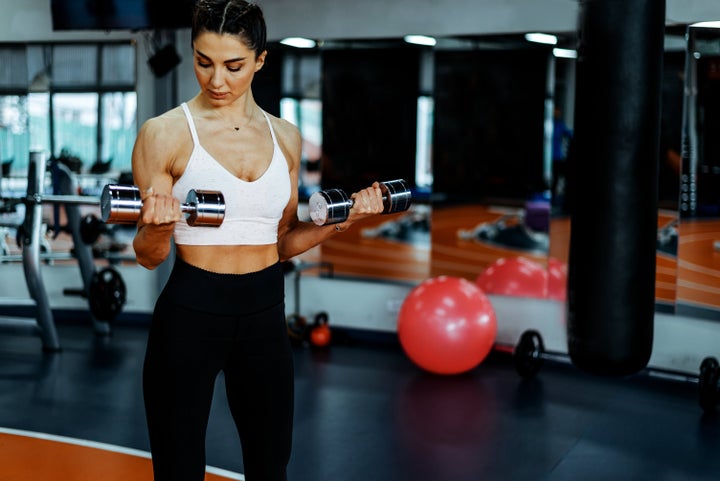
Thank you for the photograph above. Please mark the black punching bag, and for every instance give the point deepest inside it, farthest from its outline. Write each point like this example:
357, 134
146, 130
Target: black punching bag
614, 162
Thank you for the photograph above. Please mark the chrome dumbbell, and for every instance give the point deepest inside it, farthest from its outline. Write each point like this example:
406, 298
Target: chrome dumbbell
121, 204
332, 206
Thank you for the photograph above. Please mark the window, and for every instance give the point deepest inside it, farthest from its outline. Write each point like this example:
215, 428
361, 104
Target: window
72, 99
301, 105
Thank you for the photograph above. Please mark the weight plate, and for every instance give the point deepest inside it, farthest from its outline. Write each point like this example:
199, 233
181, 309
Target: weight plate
527, 355
708, 384
107, 294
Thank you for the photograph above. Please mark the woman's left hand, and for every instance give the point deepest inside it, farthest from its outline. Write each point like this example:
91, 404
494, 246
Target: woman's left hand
367, 202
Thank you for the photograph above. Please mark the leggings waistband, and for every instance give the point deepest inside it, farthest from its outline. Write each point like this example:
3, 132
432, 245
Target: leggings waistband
228, 294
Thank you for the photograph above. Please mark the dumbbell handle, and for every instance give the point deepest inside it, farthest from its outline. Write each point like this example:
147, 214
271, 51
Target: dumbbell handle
121, 204
333, 206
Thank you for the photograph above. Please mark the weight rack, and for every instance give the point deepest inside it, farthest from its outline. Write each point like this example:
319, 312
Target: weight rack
43, 324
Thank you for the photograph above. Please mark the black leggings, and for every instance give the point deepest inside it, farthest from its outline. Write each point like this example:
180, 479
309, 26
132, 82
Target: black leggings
205, 323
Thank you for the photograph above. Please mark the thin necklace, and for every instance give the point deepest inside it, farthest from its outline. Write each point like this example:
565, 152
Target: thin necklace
236, 127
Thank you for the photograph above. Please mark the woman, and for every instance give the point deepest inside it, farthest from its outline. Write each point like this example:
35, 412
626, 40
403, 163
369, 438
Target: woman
222, 308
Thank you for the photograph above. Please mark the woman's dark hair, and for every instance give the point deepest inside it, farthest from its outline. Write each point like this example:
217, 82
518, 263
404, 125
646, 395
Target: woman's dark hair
231, 17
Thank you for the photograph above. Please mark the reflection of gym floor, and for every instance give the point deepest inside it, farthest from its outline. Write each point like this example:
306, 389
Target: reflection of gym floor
363, 412
453, 256
666, 264
364, 252
699, 263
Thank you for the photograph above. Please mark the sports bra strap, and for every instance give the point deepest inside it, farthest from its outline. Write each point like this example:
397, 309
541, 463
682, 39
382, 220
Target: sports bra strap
191, 123
272, 132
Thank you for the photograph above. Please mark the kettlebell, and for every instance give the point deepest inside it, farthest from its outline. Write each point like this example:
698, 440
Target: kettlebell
320, 335
297, 329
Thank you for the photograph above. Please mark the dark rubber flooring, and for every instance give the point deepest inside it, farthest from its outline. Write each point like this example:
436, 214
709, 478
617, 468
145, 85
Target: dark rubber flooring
364, 412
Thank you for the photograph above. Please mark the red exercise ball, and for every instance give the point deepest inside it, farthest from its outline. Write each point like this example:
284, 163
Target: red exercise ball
557, 279
447, 325
514, 276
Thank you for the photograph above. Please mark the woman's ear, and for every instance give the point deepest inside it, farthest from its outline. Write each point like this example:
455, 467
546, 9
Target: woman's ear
260, 61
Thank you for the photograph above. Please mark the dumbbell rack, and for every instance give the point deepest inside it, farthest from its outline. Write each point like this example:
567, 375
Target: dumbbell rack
43, 323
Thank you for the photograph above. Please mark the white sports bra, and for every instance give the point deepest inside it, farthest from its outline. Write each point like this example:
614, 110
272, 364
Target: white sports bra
252, 209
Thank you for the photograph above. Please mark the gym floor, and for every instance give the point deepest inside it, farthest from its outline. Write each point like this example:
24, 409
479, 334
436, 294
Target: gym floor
363, 411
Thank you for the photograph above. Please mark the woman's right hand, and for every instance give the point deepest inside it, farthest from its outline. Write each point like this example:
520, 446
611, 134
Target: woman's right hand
159, 209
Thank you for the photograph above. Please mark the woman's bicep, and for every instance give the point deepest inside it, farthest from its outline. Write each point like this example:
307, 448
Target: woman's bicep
151, 159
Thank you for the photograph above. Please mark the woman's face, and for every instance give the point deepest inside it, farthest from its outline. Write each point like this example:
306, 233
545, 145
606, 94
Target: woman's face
224, 66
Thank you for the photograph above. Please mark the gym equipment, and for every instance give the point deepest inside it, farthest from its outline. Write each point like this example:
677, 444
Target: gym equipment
91, 227
320, 334
121, 204
298, 328
447, 325
31, 243
514, 276
107, 294
611, 275
333, 206
529, 354
557, 279
708, 388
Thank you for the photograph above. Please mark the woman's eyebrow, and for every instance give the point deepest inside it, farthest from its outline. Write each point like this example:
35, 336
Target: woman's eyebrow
237, 59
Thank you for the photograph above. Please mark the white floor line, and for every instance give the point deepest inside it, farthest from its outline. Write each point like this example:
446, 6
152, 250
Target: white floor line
108, 447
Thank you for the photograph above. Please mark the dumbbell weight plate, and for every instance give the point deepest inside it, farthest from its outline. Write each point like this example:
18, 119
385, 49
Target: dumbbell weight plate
708, 388
527, 355
208, 208
90, 228
329, 206
396, 196
120, 204
107, 294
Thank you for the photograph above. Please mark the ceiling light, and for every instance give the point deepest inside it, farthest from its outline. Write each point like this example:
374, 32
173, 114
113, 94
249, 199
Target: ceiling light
564, 53
420, 40
298, 42
541, 38
715, 24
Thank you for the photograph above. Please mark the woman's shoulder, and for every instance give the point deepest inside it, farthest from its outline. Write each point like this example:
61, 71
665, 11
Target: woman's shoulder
172, 119
164, 133
286, 132
164, 127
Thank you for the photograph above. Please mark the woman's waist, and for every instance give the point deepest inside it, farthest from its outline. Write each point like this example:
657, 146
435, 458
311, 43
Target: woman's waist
225, 293
229, 259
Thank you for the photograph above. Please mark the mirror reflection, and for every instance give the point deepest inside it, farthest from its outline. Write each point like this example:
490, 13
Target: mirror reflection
699, 227
481, 126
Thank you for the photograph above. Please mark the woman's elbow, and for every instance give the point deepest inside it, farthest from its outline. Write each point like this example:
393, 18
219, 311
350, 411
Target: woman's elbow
146, 263
148, 260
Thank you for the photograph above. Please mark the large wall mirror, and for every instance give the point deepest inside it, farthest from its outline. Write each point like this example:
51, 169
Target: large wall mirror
491, 200
481, 128
364, 109
698, 252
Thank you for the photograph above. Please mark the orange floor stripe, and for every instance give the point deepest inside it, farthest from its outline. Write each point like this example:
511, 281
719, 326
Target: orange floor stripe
39, 457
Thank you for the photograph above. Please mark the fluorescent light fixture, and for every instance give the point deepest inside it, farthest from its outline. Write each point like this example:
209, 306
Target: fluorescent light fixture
298, 42
541, 38
715, 24
564, 53
420, 40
